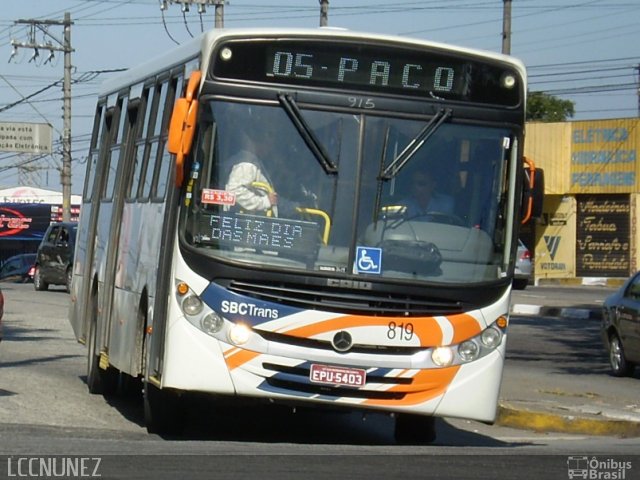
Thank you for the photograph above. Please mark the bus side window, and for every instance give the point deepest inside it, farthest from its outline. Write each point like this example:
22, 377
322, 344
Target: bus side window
114, 148
94, 152
142, 147
153, 138
164, 161
137, 148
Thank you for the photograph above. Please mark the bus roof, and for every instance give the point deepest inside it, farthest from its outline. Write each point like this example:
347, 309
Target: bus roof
193, 47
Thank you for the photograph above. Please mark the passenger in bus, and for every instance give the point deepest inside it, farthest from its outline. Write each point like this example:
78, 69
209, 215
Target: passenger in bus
423, 198
249, 181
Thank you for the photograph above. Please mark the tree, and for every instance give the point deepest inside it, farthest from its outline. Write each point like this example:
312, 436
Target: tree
542, 107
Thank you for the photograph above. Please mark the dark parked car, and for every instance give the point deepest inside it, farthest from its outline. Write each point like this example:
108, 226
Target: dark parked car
54, 263
19, 268
621, 327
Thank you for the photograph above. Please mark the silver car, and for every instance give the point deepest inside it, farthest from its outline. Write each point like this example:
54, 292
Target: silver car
620, 329
523, 267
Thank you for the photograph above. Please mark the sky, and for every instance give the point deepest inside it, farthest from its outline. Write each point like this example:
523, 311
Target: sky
586, 51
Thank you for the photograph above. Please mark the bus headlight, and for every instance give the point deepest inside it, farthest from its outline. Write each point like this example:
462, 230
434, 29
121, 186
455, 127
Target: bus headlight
197, 313
491, 337
211, 323
192, 305
468, 350
442, 356
239, 334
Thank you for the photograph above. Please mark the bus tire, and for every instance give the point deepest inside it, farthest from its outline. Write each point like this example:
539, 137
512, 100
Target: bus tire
98, 381
68, 276
414, 429
163, 410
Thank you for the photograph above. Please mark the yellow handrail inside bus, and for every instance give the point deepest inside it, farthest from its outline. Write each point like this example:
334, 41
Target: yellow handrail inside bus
309, 211
325, 218
393, 210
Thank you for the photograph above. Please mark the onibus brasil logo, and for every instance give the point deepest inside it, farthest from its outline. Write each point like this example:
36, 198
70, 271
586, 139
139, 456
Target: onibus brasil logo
595, 468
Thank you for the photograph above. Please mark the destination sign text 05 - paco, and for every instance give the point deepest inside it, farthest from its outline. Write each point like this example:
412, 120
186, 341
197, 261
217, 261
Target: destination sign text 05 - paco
368, 67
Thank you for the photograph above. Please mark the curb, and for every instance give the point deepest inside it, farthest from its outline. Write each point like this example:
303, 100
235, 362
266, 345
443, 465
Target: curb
509, 416
615, 282
563, 312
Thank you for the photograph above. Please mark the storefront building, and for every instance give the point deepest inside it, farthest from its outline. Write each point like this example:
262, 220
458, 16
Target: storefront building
25, 214
589, 226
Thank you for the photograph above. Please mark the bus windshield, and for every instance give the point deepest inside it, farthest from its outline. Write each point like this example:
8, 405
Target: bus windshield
259, 194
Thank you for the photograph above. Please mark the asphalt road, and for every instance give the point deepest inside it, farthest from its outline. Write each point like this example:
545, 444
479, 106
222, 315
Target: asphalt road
45, 409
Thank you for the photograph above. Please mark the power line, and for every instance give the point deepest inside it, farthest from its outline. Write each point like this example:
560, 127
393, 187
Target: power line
95, 13
592, 89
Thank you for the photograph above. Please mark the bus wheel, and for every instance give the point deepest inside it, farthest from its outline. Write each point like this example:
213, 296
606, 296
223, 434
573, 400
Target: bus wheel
98, 380
414, 429
68, 276
163, 410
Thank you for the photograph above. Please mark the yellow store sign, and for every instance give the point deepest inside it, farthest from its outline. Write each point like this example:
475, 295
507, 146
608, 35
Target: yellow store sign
556, 238
604, 156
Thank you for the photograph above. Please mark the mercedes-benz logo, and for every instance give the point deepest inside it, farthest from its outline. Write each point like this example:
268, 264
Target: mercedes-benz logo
342, 341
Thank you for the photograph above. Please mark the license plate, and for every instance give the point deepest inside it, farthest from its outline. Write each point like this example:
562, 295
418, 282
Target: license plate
326, 374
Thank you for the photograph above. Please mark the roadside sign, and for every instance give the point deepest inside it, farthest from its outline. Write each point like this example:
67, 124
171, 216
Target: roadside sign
25, 137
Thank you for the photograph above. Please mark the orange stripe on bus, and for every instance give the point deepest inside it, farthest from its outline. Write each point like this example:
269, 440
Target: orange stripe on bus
231, 351
426, 328
427, 384
464, 327
240, 358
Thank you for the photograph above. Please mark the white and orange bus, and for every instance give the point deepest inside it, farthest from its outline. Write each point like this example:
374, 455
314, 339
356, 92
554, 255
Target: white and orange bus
348, 292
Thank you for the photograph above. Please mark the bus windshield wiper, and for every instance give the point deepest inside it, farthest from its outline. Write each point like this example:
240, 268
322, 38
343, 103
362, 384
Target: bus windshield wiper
414, 145
307, 134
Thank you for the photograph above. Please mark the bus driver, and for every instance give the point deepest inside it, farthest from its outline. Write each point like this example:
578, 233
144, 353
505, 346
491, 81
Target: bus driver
423, 198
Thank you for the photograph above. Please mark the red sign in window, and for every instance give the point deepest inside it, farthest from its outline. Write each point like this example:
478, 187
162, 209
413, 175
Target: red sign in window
218, 197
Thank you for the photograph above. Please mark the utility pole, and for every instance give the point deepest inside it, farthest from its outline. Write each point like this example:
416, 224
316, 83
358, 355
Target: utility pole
219, 22
202, 8
64, 46
324, 13
506, 27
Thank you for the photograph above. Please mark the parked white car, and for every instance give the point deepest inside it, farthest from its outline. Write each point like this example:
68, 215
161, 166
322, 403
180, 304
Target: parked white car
523, 267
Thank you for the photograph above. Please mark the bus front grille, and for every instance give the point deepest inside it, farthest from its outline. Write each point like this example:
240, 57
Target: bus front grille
326, 345
344, 300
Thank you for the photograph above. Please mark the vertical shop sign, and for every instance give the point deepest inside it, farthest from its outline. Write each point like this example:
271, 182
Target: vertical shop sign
602, 236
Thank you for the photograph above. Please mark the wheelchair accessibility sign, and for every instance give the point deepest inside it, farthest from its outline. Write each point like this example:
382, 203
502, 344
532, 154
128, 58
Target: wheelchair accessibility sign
368, 260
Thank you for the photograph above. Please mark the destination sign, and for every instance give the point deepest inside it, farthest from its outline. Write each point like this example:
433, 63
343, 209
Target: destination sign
261, 233
378, 68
